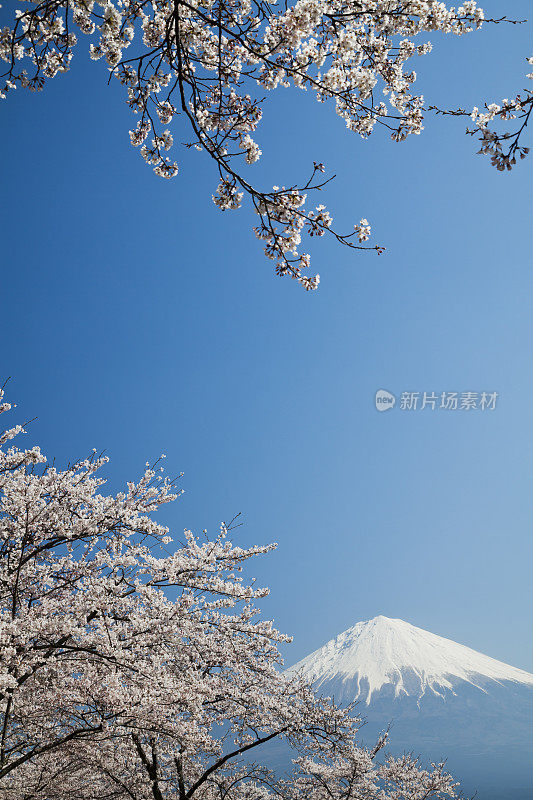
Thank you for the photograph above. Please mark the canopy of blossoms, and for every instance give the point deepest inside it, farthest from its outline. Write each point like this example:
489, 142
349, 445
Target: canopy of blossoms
201, 68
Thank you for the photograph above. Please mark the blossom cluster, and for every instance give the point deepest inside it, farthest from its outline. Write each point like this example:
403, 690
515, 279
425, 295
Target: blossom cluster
499, 127
503, 147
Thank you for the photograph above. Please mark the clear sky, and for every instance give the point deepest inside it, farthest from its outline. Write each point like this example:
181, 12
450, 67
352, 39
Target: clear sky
139, 319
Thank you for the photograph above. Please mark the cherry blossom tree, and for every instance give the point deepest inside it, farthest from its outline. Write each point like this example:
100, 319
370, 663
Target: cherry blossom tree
135, 666
201, 67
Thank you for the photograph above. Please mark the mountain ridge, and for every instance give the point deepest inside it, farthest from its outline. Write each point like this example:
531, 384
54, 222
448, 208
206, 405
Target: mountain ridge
390, 654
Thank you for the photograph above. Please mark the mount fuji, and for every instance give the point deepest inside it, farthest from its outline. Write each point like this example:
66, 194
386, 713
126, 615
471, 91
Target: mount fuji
440, 698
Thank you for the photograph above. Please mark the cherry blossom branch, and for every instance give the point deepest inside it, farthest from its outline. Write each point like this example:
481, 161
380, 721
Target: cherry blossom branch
206, 61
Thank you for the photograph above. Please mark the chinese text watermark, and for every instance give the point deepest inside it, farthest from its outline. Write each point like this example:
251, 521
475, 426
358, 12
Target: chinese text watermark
435, 401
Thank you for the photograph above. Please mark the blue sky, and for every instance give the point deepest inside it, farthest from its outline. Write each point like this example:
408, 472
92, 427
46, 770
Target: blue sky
139, 319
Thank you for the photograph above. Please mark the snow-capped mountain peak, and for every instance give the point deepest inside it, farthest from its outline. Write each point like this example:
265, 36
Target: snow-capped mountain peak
390, 654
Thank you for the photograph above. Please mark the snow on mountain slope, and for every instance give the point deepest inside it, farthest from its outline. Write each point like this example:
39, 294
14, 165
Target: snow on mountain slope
389, 654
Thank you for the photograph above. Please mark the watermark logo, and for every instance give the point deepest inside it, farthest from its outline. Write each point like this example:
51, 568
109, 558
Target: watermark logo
437, 401
384, 400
